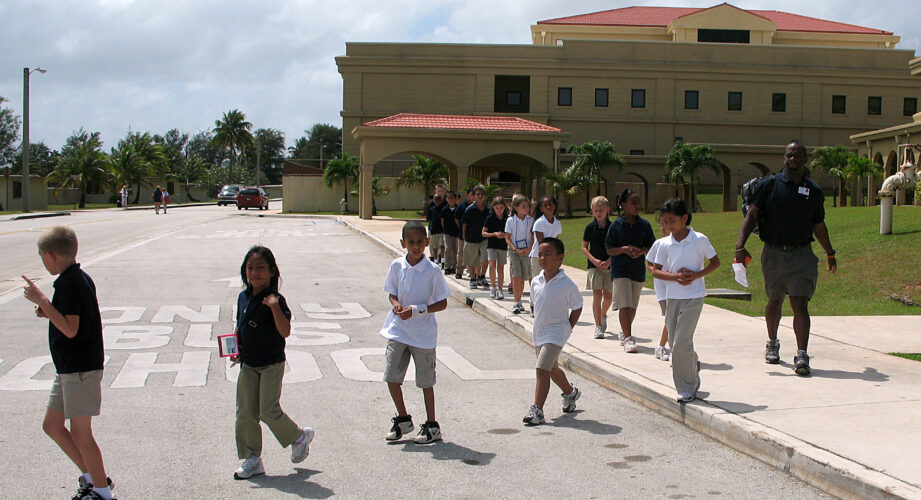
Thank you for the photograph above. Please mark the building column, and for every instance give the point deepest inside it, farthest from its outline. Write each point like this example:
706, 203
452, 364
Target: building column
730, 191
457, 176
364, 191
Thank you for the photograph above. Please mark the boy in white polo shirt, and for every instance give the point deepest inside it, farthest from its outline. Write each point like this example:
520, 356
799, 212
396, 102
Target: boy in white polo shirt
557, 306
416, 289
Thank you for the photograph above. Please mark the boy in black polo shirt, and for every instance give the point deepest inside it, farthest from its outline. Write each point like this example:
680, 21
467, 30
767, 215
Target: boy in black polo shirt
75, 339
459, 211
452, 232
436, 230
474, 242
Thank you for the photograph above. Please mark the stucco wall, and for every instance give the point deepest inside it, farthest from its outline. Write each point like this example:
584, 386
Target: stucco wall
309, 194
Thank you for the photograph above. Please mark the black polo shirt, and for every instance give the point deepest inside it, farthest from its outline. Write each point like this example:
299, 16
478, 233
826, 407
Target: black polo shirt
494, 225
434, 218
475, 219
621, 233
595, 235
75, 294
788, 211
459, 212
449, 222
257, 336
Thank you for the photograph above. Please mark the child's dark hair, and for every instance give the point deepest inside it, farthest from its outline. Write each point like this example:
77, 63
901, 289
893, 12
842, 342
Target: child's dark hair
622, 198
676, 206
451, 193
414, 225
557, 244
537, 208
269, 259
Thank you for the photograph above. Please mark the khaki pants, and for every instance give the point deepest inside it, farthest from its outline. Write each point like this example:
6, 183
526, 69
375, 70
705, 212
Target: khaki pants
450, 251
681, 316
258, 398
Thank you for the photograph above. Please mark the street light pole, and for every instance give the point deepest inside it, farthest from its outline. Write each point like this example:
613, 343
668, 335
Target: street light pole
26, 152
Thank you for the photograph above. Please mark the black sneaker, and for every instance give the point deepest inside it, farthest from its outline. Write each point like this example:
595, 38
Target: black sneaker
91, 494
401, 426
473, 284
428, 433
772, 352
458, 275
84, 488
801, 363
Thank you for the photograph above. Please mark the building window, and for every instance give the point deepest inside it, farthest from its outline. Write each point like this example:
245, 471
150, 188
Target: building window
637, 152
723, 36
735, 101
512, 94
779, 103
564, 96
839, 104
601, 98
638, 98
874, 105
691, 99
910, 106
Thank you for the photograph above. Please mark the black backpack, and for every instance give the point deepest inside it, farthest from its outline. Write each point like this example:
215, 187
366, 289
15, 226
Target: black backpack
748, 194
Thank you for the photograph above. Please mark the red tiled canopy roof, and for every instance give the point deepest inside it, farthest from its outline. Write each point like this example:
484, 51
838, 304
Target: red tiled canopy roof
663, 16
461, 122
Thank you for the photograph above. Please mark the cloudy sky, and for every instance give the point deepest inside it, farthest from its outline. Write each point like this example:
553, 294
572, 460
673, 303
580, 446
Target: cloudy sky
145, 65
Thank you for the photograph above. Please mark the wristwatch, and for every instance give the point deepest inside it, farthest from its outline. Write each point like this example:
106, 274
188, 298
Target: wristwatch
832, 253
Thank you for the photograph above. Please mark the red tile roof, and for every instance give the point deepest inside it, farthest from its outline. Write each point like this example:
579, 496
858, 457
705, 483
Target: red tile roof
461, 122
663, 16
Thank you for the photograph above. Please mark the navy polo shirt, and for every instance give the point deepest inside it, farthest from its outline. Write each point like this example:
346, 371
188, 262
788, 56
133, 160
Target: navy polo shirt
459, 212
621, 233
434, 217
75, 295
449, 222
595, 235
258, 338
788, 211
494, 225
475, 219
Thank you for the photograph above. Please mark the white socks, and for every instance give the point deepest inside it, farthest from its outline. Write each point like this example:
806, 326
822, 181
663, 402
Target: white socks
105, 493
88, 478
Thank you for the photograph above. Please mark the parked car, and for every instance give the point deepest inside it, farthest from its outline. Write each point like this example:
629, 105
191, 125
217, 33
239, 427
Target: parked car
252, 197
228, 194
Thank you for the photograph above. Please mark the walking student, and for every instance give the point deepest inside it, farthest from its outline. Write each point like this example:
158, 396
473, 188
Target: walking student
458, 215
546, 225
416, 290
658, 285
599, 263
628, 238
519, 238
75, 341
680, 264
451, 232
557, 306
472, 225
263, 324
157, 199
436, 230
496, 246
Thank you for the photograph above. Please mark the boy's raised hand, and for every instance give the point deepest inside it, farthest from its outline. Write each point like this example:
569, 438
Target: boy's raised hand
270, 300
32, 292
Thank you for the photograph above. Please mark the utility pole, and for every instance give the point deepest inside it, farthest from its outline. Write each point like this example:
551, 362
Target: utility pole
26, 151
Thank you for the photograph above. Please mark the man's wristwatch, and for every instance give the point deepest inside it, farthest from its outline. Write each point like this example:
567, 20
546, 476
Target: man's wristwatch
832, 253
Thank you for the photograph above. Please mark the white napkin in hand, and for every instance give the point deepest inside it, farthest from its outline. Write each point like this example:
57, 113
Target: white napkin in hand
741, 273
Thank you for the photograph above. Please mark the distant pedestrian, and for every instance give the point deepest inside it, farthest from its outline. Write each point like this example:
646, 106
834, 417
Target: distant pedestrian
662, 350
165, 199
436, 230
263, 324
680, 263
599, 263
459, 212
474, 243
157, 198
75, 340
124, 196
496, 246
557, 306
789, 210
519, 236
416, 290
628, 239
452, 232
546, 225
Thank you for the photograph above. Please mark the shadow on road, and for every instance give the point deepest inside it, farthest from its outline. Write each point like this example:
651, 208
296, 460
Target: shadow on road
295, 484
445, 450
868, 374
593, 426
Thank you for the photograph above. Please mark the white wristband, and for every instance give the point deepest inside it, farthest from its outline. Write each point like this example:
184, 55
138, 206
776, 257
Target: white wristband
418, 310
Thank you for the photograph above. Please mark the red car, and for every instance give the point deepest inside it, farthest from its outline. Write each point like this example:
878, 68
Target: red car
252, 197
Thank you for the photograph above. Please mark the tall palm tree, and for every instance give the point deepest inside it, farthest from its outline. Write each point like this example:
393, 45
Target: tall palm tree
233, 133
684, 162
833, 160
592, 157
81, 162
567, 184
127, 167
342, 171
859, 166
150, 155
190, 171
425, 172
377, 189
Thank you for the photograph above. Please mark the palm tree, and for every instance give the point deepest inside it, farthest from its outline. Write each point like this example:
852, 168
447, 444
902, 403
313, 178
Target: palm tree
190, 171
342, 170
149, 155
426, 172
567, 183
833, 160
127, 167
233, 133
683, 163
81, 162
594, 156
377, 189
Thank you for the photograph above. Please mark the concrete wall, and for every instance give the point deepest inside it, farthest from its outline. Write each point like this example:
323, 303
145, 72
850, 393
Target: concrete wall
309, 194
38, 196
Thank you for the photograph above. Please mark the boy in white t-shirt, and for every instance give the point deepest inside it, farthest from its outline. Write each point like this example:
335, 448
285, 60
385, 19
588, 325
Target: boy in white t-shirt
557, 306
416, 289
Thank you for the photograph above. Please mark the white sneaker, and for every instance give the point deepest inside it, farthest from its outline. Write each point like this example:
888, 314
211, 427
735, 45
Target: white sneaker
301, 448
599, 332
492, 292
401, 426
621, 338
535, 416
569, 400
252, 466
630, 344
499, 294
604, 323
662, 352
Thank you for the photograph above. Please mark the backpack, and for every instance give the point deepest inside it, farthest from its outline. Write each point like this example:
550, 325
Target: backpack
748, 195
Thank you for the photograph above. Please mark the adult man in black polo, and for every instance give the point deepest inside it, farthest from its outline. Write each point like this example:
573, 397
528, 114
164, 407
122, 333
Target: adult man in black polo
788, 208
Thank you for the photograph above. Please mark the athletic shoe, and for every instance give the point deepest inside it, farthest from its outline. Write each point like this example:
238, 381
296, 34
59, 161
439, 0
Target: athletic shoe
401, 426
604, 323
772, 352
662, 352
621, 338
473, 284
458, 275
252, 466
510, 289
599, 332
448, 271
492, 292
92, 495
428, 433
685, 397
301, 448
569, 400
84, 488
535, 416
500, 295
483, 282
630, 344
518, 309
801, 363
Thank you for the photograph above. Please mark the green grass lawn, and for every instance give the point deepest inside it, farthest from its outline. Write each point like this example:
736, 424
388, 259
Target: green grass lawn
872, 266
915, 357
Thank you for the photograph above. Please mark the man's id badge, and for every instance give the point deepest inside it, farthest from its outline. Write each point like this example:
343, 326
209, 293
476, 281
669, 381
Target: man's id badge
522, 243
803, 191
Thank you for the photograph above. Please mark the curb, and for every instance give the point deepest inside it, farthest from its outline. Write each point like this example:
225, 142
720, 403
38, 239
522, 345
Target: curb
823, 469
39, 215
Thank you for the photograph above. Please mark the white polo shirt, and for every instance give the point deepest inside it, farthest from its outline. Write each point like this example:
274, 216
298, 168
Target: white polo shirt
422, 284
657, 284
548, 229
553, 300
690, 253
519, 230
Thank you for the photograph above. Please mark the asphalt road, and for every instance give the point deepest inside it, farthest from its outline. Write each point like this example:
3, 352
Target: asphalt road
168, 284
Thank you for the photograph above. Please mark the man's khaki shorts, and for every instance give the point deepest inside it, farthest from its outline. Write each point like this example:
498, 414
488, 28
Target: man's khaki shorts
474, 253
791, 272
627, 293
397, 358
77, 394
547, 355
599, 279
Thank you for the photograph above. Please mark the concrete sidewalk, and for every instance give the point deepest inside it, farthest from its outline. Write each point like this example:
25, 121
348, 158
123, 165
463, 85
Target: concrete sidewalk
851, 429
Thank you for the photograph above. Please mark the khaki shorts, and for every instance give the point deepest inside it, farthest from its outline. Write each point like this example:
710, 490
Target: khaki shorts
495, 254
77, 394
474, 253
599, 279
547, 355
792, 272
627, 293
436, 241
519, 265
535, 267
397, 358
